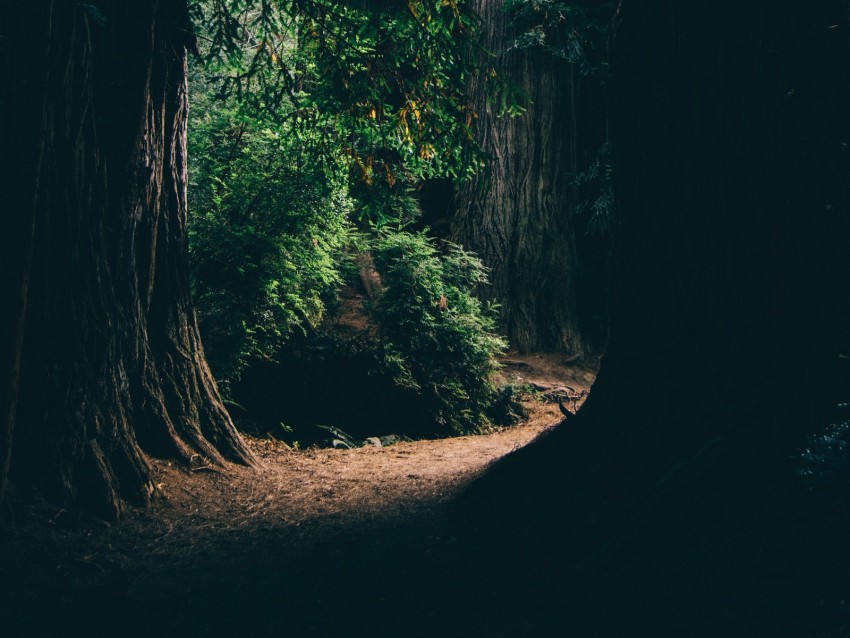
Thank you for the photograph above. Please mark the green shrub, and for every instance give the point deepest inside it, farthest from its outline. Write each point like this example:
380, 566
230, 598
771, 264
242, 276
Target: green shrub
436, 337
268, 223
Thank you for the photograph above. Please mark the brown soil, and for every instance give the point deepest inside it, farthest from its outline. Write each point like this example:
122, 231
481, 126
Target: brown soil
312, 542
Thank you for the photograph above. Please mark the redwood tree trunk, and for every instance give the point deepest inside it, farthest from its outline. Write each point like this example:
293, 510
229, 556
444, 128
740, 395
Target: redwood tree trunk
17, 190
111, 364
669, 505
516, 215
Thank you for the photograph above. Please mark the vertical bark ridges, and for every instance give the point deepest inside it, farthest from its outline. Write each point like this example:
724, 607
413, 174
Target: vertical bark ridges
112, 367
516, 214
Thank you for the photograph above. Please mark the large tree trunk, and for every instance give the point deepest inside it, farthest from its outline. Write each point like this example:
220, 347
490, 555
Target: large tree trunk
516, 215
17, 198
111, 364
671, 499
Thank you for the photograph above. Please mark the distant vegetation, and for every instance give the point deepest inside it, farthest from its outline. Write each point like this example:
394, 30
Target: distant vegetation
291, 196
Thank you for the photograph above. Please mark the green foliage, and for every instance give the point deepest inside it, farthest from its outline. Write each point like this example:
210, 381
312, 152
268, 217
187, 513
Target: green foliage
596, 182
437, 338
576, 31
384, 81
267, 226
380, 205
313, 116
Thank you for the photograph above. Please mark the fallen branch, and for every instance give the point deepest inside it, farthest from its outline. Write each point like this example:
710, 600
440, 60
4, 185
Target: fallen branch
205, 468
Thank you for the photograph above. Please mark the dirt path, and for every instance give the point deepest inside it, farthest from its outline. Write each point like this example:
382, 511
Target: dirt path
312, 542
361, 484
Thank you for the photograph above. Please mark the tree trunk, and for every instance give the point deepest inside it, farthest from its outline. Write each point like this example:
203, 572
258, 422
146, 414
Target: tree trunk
516, 215
733, 183
17, 192
111, 364
672, 495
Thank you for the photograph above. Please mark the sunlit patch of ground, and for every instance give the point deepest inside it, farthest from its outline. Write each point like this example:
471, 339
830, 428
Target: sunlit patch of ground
299, 546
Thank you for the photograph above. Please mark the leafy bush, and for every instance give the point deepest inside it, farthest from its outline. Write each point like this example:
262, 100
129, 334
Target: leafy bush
437, 338
268, 222
422, 367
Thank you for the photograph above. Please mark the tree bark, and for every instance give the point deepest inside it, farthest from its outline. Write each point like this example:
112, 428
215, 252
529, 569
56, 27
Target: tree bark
516, 215
17, 191
730, 125
111, 364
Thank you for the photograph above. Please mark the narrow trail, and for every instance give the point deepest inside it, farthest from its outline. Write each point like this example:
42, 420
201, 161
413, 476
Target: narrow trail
319, 542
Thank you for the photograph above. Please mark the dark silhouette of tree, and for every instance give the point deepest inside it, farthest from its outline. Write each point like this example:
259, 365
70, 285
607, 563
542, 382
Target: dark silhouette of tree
672, 495
102, 359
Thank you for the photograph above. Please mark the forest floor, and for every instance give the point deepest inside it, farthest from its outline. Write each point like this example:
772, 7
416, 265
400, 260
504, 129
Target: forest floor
315, 542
